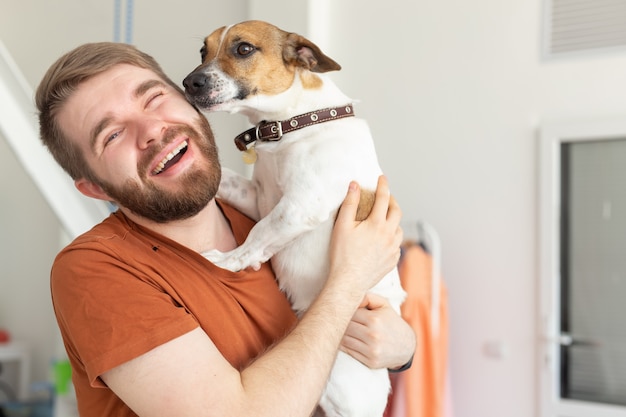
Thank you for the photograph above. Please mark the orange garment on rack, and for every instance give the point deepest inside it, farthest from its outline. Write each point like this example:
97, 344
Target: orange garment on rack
422, 390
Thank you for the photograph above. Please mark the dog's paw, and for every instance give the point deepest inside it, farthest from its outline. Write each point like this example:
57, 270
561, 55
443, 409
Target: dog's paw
216, 257
232, 261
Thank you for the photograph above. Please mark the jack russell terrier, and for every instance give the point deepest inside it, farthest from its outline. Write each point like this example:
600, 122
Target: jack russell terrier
308, 146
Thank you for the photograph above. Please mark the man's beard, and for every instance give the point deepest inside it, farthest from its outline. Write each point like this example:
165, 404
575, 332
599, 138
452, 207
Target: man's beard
197, 187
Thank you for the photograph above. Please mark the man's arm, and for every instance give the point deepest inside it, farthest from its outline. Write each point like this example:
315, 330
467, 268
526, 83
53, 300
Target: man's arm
188, 376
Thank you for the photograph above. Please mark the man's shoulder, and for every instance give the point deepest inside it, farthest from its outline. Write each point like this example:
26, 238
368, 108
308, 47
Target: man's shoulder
113, 244
115, 226
112, 237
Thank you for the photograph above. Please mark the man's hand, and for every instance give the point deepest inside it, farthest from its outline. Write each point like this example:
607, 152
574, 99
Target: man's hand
362, 252
377, 336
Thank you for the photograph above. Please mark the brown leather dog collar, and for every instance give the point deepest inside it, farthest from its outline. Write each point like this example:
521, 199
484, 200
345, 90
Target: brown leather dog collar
273, 131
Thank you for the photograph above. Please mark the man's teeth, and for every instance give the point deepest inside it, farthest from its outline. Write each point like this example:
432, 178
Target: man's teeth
169, 157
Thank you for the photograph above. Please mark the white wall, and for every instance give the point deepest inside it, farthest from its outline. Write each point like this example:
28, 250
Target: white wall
454, 92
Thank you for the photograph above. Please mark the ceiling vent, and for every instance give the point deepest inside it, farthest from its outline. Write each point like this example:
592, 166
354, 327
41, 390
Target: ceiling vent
574, 26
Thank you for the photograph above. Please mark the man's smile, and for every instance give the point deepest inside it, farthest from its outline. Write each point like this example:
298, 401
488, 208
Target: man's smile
171, 158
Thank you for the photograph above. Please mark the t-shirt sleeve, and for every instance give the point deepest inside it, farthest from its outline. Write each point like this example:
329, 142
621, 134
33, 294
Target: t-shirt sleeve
112, 311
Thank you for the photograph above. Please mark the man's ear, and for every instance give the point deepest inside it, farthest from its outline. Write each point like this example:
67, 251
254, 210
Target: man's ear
91, 189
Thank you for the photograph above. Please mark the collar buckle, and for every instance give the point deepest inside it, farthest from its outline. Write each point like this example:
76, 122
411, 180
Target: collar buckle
275, 131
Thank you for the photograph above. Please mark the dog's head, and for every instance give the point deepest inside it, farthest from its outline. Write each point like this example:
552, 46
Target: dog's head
252, 59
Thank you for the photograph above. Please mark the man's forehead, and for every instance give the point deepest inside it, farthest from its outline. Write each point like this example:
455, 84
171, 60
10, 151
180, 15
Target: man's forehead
91, 102
130, 75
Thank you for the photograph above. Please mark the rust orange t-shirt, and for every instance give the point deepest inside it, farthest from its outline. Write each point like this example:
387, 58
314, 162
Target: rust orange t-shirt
121, 290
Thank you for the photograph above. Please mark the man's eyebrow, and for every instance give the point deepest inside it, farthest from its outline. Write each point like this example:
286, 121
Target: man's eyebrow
146, 86
137, 93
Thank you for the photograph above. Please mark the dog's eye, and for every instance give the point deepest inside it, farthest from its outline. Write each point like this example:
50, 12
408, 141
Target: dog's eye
203, 53
245, 49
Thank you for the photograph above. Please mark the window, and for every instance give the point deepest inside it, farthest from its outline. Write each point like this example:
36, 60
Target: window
583, 270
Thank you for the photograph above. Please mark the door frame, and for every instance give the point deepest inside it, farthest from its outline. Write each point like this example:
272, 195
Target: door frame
551, 137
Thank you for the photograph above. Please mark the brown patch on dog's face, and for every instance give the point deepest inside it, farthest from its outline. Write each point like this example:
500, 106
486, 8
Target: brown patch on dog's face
211, 44
262, 58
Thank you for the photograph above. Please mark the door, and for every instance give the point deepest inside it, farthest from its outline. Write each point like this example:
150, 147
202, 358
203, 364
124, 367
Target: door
583, 279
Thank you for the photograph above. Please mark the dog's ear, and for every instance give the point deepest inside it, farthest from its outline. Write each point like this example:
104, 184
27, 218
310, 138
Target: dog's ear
301, 52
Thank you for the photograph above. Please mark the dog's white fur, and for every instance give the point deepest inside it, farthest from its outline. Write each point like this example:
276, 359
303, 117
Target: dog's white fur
298, 183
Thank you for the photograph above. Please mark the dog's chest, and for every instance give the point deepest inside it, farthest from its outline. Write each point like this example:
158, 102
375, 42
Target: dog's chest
282, 168
318, 161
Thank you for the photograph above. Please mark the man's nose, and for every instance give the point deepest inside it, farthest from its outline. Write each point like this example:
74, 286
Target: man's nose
151, 132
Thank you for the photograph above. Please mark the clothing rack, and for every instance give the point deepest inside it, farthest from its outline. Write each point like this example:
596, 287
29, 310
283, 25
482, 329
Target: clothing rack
424, 389
428, 238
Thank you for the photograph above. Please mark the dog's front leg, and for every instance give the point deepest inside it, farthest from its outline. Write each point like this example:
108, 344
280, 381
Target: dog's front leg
239, 192
290, 218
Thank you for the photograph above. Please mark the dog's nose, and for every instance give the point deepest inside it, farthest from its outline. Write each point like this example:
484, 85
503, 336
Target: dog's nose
195, 83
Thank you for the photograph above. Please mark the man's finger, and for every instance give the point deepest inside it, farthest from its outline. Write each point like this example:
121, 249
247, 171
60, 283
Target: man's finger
381, 203
350, 204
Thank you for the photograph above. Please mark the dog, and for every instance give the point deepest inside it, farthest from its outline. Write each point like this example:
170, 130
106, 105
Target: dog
308, 147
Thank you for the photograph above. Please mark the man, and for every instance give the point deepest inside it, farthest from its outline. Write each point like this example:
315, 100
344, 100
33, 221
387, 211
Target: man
150, 326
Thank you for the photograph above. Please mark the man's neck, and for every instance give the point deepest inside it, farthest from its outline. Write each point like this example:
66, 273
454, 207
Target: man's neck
209, 229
